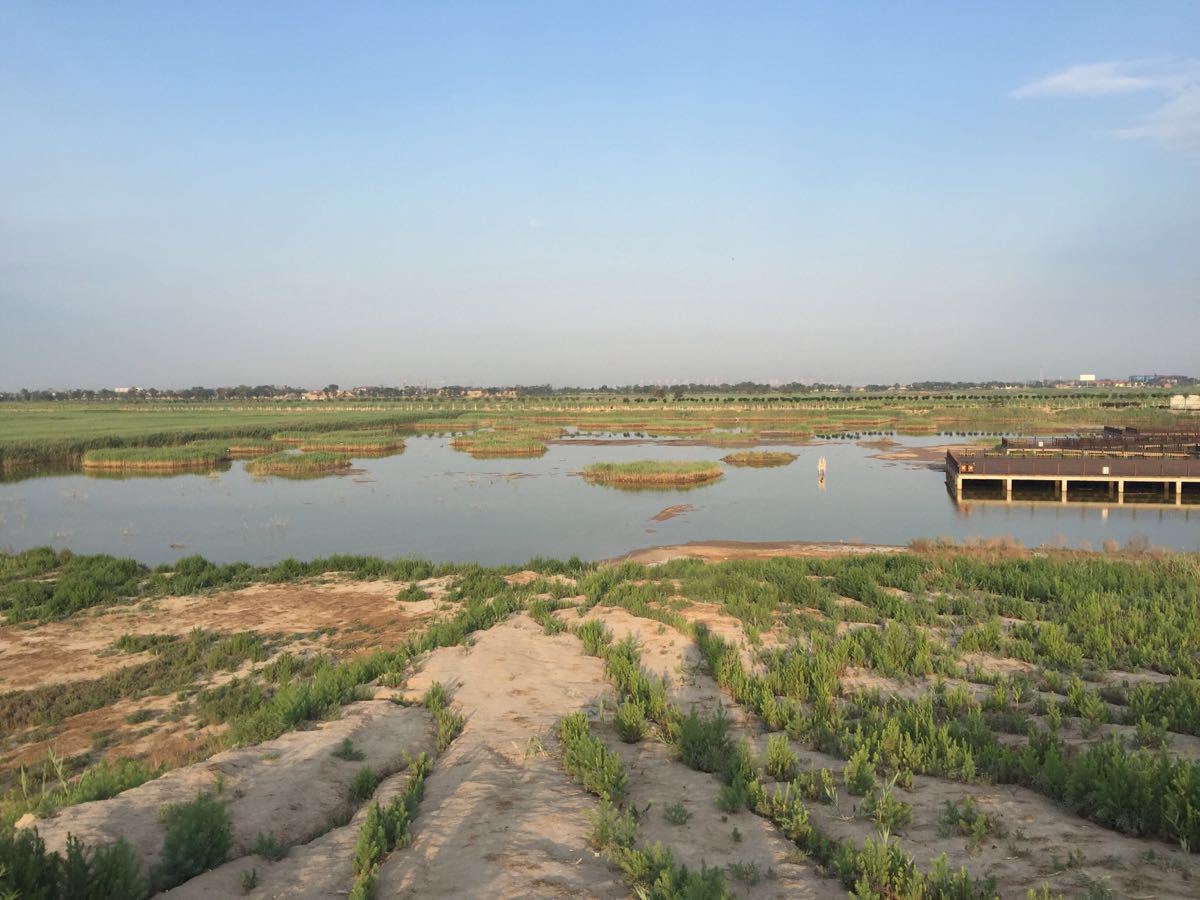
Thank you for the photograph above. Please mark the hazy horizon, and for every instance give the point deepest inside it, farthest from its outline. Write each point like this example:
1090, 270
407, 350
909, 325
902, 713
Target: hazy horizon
653, 193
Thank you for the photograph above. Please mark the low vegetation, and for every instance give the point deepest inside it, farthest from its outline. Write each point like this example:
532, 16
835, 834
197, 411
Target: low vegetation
155, 458
760, 459
652, 473
298, 464
355, 442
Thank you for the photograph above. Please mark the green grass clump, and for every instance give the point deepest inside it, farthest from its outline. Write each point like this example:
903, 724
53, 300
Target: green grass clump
364, 784
199, 835
648, 472
42, 792
387, 827
630, 721
298, 464
500, 444
589, 762
154, 458
759, 460
367, 442
28, 870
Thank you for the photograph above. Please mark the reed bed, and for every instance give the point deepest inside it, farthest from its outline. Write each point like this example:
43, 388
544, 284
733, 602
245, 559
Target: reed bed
729, 438
649, 472
242, 447
497, 445
380, 441
759, 460
154, 458
298, 464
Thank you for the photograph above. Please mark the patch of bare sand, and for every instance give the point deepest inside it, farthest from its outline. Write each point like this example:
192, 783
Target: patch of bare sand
78, 648
1038, 832
156, 740
292, 786
500, 818
721, 551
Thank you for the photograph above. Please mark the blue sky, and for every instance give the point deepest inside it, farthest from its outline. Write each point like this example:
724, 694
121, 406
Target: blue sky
586, 193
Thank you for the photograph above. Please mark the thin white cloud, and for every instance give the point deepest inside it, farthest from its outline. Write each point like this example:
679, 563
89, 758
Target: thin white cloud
1175, 124
1091, 80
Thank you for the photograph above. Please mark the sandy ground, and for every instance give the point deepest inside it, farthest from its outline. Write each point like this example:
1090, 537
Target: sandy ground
292, 786
720, 551
500, 817
79, 648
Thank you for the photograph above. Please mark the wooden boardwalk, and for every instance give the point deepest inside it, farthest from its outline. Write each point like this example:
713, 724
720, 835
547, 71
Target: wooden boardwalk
1174, 474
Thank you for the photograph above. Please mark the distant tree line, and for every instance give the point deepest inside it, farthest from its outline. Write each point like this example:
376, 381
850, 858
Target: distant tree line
691, 391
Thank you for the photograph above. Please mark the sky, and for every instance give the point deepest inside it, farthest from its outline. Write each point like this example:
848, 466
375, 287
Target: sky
587, 193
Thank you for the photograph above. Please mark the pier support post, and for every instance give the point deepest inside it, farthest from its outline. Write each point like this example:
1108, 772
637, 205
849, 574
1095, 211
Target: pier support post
1121, 490
1008, 488
1064, 490
1179, 492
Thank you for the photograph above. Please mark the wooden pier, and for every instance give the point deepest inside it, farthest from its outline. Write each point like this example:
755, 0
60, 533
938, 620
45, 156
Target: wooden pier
1114, 473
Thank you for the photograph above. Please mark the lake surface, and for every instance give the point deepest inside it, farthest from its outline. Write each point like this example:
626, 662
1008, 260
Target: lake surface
436, 503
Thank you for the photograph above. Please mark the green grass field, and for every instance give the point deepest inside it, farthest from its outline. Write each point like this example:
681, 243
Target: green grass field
39, 433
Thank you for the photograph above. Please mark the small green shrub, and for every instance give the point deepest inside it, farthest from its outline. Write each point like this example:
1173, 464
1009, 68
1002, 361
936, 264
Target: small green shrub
364, 784
612, 827
107, 872
436, 697
781, 761
270, 847
248, 880
414, 593
859, 774
677, 814
347, 751
630, 721
703, 741
594, 635
588, 761
198, 838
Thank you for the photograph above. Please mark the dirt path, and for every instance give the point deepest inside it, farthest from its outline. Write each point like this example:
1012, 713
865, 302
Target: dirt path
500, 817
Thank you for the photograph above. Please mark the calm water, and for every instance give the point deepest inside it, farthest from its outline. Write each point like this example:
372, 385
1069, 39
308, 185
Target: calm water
433, 502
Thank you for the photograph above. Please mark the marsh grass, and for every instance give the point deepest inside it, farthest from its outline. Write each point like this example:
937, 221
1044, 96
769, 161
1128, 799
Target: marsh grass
649, 472
159, 458
365, 442
759, 460
500, 444
298, 464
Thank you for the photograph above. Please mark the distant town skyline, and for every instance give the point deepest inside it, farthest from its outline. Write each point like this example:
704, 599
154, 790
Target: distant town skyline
587, 194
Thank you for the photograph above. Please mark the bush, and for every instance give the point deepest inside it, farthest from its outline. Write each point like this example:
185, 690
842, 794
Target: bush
859, 774
364, 784
347, 751
781, 761
703, 741
589, 762
595, 637
99, 873
269, 847
611, 827
630, 722
198, 838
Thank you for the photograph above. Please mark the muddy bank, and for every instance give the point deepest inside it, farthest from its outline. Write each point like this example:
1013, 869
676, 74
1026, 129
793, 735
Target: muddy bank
720, 551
